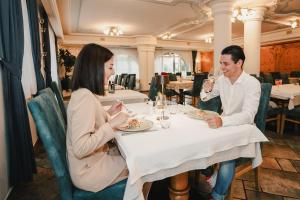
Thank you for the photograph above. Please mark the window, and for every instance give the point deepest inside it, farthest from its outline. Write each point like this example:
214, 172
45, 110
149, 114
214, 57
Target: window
171, 63
125, 63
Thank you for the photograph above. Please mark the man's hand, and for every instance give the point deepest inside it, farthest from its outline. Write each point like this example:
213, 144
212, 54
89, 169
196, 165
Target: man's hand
213, 121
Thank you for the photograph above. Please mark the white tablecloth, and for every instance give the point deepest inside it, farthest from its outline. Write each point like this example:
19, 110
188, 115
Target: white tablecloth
287, 92
187, 145
127, 96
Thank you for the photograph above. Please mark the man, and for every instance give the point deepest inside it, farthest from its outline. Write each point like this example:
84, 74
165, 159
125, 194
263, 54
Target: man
240, 94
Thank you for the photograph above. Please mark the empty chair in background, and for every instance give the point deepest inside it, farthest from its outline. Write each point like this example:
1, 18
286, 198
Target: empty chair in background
285, 77
178, 74
153, 88
295, 74
267, 77
125, 79
172, 77
116, 79
197, 86
131, 82
188, 73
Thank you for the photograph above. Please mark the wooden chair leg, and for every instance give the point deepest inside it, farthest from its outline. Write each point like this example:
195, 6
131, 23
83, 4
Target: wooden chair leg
256, 174
278, 124
283, 116
230, 190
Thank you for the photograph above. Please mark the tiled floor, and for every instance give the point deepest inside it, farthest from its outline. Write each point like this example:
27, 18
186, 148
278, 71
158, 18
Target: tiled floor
279, 175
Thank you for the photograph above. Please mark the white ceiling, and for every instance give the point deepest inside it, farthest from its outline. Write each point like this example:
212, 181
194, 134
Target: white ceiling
187, 19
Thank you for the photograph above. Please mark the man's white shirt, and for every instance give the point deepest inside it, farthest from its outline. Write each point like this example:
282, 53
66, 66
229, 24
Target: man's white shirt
240, 100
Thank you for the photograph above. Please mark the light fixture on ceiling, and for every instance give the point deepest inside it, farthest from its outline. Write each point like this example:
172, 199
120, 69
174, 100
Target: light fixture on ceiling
208, 40
113, 31
167, 36
241, 14
294, 24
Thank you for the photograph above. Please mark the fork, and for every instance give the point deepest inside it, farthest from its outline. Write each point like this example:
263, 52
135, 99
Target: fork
127, 109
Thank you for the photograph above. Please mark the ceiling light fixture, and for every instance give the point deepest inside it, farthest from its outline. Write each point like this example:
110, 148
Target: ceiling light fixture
241, 14
294, 24
208, 40
113, 31
167, 36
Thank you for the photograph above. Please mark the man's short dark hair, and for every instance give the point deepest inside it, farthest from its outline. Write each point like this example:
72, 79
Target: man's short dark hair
89, 68
236, 53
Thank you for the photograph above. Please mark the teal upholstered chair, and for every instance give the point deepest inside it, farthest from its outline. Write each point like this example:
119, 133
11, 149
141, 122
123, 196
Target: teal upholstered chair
52, 132
153, 88
197, 86
213, 104
244, 165
60, 100
268, 78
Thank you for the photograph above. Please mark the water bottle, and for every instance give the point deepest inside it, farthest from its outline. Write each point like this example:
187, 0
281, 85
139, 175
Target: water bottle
112, 87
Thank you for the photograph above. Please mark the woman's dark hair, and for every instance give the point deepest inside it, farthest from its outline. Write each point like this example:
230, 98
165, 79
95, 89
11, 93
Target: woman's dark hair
236, 53
89, 68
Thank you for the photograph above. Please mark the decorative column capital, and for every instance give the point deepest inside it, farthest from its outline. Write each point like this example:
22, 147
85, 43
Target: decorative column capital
221, 7
148, 48
146, 40
258, 14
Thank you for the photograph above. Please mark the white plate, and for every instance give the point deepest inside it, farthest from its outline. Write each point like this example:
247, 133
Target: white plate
144, 124
195, 114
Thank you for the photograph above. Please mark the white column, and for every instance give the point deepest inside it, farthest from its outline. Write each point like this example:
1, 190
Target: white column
252, 35
221, 12
146, 47
146, 65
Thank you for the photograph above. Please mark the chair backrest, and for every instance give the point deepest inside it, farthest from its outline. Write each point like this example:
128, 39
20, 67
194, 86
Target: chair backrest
125, 80
268, 78
197, 85
275, 75
295, 74
172, 77
285, 77
213, 104
131, 82
60, 100
116, 79
120, 78
261, 115
188, 73
52, 132
178, 74
153, 88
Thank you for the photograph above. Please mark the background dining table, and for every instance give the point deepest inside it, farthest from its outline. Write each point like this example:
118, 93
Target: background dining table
188, 144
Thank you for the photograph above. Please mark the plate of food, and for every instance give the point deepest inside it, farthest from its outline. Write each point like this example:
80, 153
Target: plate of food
135, 125
200, 114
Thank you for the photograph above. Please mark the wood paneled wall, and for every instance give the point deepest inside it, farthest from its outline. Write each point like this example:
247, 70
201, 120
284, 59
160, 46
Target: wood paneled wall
283, 57
207, 60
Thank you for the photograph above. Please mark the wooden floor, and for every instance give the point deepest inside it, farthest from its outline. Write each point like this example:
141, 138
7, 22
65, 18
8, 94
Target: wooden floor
280, 175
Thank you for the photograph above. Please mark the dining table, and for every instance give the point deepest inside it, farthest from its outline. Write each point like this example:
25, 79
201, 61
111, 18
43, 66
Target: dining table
126, 96
186, 144
285, 96
180, 86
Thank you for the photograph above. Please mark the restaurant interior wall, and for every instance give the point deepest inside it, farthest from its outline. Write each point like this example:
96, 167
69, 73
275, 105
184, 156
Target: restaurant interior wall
282, 57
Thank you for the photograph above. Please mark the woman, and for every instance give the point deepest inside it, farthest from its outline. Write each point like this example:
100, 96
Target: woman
92, 167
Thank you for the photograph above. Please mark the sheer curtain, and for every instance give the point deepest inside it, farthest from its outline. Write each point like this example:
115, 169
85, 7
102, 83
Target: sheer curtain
28, 73
53, 56
125, 61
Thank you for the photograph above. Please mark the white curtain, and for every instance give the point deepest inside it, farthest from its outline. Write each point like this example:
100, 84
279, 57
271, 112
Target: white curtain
186, 55
54, 73
28, 74
126, 61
